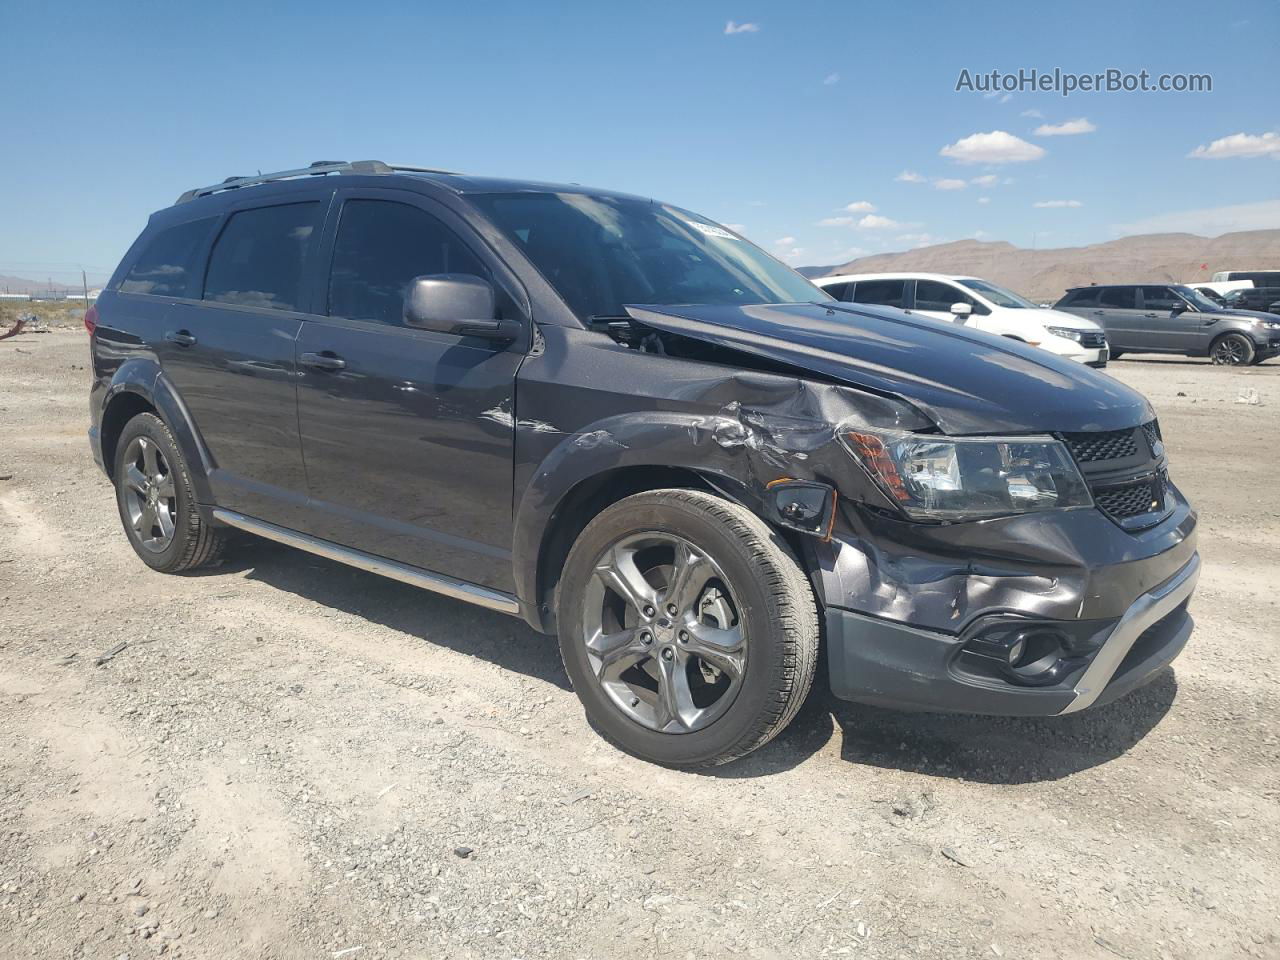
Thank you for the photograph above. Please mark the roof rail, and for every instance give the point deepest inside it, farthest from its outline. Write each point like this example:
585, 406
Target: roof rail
318, 169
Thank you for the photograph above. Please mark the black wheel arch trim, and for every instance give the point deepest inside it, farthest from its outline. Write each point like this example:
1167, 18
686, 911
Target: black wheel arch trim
143, 378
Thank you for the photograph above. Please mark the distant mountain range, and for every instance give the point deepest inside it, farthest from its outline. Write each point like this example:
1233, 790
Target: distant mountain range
1045, 274
10, 284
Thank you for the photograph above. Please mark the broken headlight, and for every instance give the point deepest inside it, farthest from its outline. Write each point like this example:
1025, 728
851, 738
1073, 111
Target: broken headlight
969, 478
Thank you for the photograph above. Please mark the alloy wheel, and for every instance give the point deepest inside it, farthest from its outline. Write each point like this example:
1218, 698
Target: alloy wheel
149, 494
1229, 351
662, 632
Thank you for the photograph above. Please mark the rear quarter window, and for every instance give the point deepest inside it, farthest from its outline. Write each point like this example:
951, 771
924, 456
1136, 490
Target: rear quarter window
167, 264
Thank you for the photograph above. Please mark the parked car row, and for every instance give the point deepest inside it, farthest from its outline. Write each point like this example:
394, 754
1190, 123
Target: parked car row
1092, 324
979, 305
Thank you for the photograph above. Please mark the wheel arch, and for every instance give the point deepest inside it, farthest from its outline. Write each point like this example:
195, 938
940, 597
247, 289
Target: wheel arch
134, 391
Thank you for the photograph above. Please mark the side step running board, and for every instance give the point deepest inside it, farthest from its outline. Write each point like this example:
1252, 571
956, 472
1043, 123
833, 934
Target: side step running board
458, 589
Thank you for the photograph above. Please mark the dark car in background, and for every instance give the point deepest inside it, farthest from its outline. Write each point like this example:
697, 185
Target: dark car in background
631, 427
1171, 318
1263, 299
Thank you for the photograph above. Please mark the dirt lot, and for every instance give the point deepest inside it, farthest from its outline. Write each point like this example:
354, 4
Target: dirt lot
289, 757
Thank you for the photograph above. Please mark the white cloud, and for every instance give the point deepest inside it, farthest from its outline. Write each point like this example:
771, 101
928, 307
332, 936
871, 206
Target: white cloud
831, 80
986, 180
1006, 98
1240, 145
836, 222
978, 234
994, 147
755, 203
1051, 204
949, 184
984, 199
909, 176
731, 28
1209, 221
874, 221
1068, 129
784, 241
860, 206
1034, 114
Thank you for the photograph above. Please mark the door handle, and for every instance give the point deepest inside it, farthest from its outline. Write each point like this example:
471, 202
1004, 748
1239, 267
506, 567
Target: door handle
323, 361
1097, 313
182, 338
1151, 315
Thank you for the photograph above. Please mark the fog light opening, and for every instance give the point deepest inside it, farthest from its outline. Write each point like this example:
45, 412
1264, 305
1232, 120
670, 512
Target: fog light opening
1016, 650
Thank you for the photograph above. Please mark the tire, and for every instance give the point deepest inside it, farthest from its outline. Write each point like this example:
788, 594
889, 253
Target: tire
1232, 349
729, 670
1114, 355
151, 472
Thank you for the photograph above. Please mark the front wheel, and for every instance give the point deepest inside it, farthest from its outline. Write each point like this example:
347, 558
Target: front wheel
687, 627
1232, 349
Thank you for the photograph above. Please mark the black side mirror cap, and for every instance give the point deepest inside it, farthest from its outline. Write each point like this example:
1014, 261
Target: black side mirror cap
459, 304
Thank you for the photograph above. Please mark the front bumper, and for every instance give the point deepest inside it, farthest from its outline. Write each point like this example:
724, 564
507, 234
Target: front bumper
895, 665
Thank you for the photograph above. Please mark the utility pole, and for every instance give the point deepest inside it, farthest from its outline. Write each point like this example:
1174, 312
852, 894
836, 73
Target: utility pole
85, 280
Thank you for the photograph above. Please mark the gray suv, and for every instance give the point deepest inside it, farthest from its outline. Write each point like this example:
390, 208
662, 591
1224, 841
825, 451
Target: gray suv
1170, 318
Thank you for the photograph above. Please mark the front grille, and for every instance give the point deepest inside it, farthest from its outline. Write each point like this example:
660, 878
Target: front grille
1112, 445
1093, 341
1133, 499
1125, 472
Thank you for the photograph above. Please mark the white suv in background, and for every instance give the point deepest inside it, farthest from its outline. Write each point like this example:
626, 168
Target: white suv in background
977, 304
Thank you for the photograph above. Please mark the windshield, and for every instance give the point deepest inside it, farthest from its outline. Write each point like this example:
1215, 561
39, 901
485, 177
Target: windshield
1197, 299
999, 295
601, 253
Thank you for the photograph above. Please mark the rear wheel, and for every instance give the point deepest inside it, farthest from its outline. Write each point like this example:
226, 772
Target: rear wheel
1232, 349
687, 627
157, 502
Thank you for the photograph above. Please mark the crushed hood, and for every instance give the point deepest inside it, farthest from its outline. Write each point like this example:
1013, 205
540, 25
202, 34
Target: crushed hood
967, 382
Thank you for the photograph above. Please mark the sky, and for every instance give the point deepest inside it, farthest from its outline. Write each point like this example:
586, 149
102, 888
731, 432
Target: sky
820, 130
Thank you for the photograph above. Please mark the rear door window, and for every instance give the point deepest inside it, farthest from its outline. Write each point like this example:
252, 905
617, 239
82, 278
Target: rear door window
1118, 298
258, 259
167, 263
381, 246
838, 290
888, 293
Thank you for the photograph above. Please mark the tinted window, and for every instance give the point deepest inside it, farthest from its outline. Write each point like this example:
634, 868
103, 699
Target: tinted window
932, 295
602, 253
381, 246
1080, 298
167, 262
885, 292
1160, 298
1119, 298
258, 259
838, 290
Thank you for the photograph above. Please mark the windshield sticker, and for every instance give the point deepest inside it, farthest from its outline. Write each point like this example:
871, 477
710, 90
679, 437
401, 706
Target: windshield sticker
711, 230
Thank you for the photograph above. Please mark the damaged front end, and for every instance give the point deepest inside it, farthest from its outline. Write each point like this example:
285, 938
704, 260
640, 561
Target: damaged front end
1035, 606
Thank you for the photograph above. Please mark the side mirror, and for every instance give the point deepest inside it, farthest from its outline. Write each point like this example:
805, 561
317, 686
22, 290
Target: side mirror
460, 304
1177, 309
961, 309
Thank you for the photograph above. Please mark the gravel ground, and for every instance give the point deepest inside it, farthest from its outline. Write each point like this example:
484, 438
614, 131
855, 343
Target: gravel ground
292, 759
